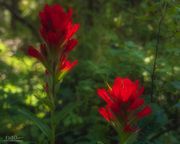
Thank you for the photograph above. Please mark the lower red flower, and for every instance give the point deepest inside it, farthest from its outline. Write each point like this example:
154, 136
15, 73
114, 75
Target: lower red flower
124, 106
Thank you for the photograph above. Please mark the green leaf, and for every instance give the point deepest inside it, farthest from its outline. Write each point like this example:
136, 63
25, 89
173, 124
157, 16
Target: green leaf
132, 138
43, 127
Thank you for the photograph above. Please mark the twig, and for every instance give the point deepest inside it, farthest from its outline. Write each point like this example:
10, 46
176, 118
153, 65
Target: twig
156, 50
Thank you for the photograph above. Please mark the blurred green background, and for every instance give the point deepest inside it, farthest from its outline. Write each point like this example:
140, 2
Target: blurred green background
116, 38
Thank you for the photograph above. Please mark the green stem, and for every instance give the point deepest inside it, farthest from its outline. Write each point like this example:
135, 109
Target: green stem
123, 139
53, 96
52, 128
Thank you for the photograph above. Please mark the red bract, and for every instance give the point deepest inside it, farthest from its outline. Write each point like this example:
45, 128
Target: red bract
56, 24
124, 105
57, 30
35, 53
67, 65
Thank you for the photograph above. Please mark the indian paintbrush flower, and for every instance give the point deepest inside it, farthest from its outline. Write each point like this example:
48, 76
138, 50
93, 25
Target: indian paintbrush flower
124, 106
57, 30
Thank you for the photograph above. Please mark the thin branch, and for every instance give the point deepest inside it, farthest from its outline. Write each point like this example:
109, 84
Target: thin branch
156, 51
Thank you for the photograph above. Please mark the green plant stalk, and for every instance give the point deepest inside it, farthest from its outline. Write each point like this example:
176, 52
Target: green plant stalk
126, 138
53, 106
123, 138
53, 128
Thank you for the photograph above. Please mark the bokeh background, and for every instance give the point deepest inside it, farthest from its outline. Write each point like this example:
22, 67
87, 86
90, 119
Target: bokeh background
116, 38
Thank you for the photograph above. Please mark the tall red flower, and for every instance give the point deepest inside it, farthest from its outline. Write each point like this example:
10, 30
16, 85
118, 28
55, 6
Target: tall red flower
56, 24
124, 105
57, 30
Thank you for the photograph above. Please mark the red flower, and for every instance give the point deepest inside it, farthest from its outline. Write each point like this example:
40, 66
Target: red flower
57, 30
56, 24
124, 104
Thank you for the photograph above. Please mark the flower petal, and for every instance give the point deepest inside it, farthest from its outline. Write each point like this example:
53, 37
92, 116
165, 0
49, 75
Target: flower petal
70, 45
71, 30
145, 112
128, 128
66, 65
106, 113
137, 103
104, 95
34, 53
